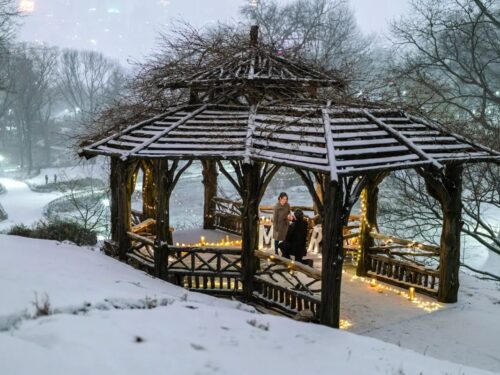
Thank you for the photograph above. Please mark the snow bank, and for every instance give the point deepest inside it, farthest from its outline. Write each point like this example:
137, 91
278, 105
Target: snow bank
100, 327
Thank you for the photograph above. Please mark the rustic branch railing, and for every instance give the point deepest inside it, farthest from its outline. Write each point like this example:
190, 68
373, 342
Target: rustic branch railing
136, 217
214, 270
227, 215
394, 261
286, 285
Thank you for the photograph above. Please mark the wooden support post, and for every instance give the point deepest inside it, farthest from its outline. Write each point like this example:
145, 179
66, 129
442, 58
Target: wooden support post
148, 189
333, 255
447, 189
250, 216
162, 219
319, 193
114, 187
369, 207
122, 186
210, 185
450, 235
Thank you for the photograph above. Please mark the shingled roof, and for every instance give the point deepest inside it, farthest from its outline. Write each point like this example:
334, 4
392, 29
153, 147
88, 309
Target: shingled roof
260, 67
331, 139
303, 133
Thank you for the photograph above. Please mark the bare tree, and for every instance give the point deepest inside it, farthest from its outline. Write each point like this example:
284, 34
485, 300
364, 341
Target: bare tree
8, 16
88, 80
323, 31
33, 94
450, 64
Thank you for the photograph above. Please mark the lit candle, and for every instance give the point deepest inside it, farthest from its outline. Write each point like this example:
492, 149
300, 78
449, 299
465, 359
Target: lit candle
373, 282
202, 240
411, 293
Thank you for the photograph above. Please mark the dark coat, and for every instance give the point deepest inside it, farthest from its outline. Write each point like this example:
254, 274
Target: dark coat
296, 238
280, 221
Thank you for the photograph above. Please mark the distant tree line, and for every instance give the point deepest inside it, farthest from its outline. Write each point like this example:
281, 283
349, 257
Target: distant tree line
46, 94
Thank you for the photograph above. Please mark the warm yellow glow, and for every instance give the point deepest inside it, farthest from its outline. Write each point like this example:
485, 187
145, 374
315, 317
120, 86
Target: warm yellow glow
428, 306
373, 282
27, 6
345, 324
411, 293
221, 243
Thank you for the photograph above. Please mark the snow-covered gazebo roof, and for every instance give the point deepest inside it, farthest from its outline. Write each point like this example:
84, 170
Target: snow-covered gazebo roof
324, 138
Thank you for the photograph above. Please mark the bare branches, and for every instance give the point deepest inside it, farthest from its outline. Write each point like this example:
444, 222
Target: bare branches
450, 65
323, 31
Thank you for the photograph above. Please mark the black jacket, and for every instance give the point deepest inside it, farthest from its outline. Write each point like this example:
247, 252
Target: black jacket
296, 237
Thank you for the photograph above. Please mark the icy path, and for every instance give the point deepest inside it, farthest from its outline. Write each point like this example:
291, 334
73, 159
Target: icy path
21, 204
101, 326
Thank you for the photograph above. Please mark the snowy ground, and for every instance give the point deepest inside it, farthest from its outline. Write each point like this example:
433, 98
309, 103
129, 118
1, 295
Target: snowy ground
21, 204
467, 333
101, 323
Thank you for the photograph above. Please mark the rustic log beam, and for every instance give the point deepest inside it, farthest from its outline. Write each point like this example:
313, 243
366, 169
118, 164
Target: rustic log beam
369, 207
162, 219
250, 222
335, 218
122, 183
408, 243
148, 189
446, 188
290, 264
210, 185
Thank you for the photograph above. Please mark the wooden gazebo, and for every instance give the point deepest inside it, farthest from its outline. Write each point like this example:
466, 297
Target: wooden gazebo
259, 111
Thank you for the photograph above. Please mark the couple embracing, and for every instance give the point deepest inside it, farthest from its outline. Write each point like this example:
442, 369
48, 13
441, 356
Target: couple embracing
289, 238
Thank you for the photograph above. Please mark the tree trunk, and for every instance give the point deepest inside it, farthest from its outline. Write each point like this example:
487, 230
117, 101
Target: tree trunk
450, 235
210, 185
333, 256
250, 218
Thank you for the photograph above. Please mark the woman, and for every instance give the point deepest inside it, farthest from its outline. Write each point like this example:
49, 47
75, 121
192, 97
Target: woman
296, 237
281, 215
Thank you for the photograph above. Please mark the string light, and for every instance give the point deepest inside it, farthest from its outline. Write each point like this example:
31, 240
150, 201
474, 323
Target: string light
345, 324
428, 306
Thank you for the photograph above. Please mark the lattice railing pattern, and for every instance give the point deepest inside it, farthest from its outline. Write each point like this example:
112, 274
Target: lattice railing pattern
286, 285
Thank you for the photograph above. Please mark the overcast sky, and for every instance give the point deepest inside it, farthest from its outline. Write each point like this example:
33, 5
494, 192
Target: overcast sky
125, 29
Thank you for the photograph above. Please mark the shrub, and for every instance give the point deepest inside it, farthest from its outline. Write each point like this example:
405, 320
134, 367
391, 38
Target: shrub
57, 230
20, 230
76, 184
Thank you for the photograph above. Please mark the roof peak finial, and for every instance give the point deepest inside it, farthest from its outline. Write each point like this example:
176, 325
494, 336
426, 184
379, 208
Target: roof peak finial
254, 35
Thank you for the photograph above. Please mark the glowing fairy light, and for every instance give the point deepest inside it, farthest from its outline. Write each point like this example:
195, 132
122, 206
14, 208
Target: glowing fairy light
345, 324
27, 6
428, 306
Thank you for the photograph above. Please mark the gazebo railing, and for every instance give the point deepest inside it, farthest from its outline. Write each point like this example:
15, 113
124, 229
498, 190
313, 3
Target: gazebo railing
287, 286
215, 270
227, 215
396, 261
136, 217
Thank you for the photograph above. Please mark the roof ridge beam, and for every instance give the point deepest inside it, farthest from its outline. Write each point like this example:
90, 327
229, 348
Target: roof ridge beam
332, 162
163, 132
250, 132
407, 142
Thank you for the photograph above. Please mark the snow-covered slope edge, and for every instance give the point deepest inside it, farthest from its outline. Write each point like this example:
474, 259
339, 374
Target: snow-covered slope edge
190, 334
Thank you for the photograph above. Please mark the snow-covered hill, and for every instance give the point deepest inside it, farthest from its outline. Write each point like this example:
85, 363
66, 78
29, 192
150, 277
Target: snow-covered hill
107, 317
